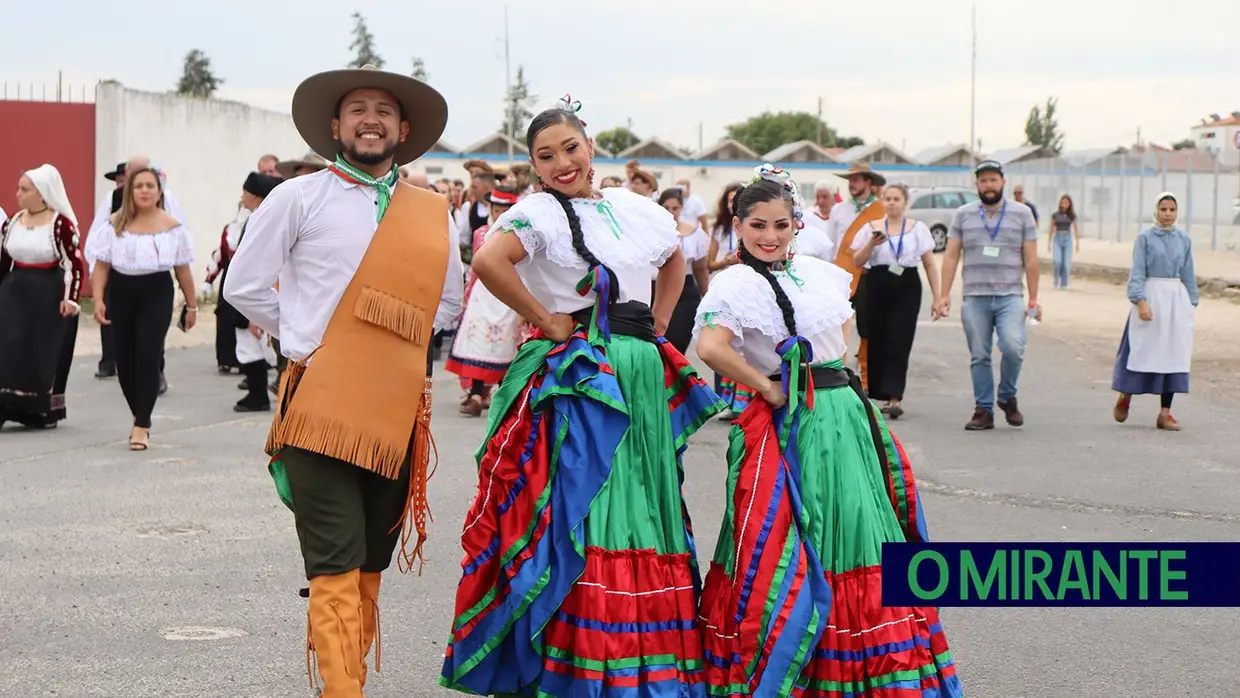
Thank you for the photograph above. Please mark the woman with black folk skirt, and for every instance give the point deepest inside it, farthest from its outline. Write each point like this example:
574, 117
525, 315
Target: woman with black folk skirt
133, 253
40, 280
890, 250
693, 245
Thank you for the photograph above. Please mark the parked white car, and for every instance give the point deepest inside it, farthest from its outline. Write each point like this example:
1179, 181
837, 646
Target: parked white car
935, 206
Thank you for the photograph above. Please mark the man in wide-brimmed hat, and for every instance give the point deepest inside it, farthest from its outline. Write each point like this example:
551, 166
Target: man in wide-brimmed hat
846, 219
367, 273
309, 164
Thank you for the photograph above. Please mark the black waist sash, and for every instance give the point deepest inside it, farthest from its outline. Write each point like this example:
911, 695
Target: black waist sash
630, 318
824, 377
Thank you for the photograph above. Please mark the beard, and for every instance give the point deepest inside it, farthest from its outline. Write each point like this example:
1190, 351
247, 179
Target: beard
351, 153
990, 198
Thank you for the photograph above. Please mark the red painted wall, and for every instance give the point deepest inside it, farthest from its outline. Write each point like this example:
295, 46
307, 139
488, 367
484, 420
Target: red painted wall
58, 133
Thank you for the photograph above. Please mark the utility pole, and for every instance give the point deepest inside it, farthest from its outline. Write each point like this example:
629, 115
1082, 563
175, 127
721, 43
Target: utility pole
508, 97
819, 121
701, 144
973, 93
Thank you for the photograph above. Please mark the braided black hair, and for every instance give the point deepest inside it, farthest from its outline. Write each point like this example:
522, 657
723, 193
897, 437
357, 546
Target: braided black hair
545, 119
747, 197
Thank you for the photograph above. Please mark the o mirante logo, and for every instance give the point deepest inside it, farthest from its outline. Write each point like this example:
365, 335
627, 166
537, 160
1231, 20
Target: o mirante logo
1061, 574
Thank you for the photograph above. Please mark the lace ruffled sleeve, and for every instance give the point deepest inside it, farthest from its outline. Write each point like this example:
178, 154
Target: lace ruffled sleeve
184, 254
529, 220
723, 304
656, 229
99, 243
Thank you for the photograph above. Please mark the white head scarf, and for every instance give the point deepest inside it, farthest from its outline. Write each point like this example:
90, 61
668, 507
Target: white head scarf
1158, 200
46, 179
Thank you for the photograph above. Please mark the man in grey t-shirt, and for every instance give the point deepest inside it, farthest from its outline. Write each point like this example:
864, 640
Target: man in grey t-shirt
998, 241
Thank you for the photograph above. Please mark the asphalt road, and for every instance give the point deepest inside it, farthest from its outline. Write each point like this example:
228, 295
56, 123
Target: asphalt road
174, 572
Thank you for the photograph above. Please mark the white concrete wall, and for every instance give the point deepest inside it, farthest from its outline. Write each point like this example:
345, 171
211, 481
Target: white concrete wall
207, 147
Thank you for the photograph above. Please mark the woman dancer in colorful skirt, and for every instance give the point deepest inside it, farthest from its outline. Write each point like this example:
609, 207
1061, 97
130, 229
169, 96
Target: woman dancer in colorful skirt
579, 575
490, 331
816, 485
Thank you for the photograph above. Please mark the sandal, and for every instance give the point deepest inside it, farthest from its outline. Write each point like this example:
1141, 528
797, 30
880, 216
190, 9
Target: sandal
139, 443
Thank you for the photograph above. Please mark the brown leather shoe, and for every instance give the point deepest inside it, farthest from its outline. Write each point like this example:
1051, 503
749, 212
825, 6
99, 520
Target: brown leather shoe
1122, 403
1012, 413
1167, 422
982, 419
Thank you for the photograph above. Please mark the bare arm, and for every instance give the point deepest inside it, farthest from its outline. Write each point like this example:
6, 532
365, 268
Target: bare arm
98, 284
495, 263
951, 259
862, 255
667, 287
932, 274
700, 274
185, 280
1031, 269
714, 348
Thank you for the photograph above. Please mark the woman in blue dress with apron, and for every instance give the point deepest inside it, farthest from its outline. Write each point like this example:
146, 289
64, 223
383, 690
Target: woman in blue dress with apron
1155, 353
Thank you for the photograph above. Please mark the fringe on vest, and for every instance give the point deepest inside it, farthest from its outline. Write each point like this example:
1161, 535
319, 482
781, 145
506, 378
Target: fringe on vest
391, 313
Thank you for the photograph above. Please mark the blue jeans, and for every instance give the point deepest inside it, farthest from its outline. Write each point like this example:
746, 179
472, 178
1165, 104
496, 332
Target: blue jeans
983, 317
1061, 258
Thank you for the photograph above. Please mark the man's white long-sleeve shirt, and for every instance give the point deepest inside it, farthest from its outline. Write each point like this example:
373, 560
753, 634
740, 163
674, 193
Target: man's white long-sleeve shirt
310, 234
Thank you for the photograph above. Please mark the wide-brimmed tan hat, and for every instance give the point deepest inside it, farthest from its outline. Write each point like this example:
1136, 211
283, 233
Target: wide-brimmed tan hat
864, 171
317, 98
475, 166
288, 168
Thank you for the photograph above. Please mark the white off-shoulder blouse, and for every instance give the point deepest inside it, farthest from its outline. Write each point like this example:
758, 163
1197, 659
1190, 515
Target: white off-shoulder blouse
744, 302
135, 254
628, 233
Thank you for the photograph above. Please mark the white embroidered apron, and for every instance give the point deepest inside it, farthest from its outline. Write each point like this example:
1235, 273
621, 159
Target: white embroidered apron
489, 330
1164, 344
251, 348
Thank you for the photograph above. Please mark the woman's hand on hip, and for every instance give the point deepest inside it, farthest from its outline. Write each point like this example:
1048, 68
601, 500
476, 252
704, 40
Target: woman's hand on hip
560, 327
773, 393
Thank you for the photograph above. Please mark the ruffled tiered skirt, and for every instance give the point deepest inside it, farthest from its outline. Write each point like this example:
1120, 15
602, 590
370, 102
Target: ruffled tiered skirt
579, 576
792, 604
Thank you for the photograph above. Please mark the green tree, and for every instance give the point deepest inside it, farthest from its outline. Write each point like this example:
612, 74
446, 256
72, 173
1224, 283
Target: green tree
518, 107
766, 131
1185, 144
363, 44
419, 69
616, 139
1042, 127
197, 80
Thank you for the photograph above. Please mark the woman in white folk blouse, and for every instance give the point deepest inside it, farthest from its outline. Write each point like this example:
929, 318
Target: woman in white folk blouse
40, 280
132, 256
890, 249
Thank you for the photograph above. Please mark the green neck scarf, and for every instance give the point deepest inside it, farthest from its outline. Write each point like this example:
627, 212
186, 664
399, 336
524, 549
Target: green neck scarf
383, 186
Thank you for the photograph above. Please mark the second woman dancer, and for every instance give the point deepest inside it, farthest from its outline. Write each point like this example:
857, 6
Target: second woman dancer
816, 485
579, 575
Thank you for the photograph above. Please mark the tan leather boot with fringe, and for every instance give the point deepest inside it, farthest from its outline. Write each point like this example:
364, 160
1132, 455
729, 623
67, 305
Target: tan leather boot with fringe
370, 582
335, 630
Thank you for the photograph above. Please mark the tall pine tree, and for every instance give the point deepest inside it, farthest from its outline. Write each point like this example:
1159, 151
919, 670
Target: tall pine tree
1042, 127
363, 44
197, 80
518, 106
419, 69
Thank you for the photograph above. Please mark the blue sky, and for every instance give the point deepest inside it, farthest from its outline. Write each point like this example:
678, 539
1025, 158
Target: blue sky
896, 70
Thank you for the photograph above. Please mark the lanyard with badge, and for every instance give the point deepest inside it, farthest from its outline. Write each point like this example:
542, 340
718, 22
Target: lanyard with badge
992, 250
895, 268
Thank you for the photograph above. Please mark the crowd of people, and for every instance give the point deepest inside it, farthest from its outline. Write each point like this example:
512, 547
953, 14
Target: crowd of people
573, 304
